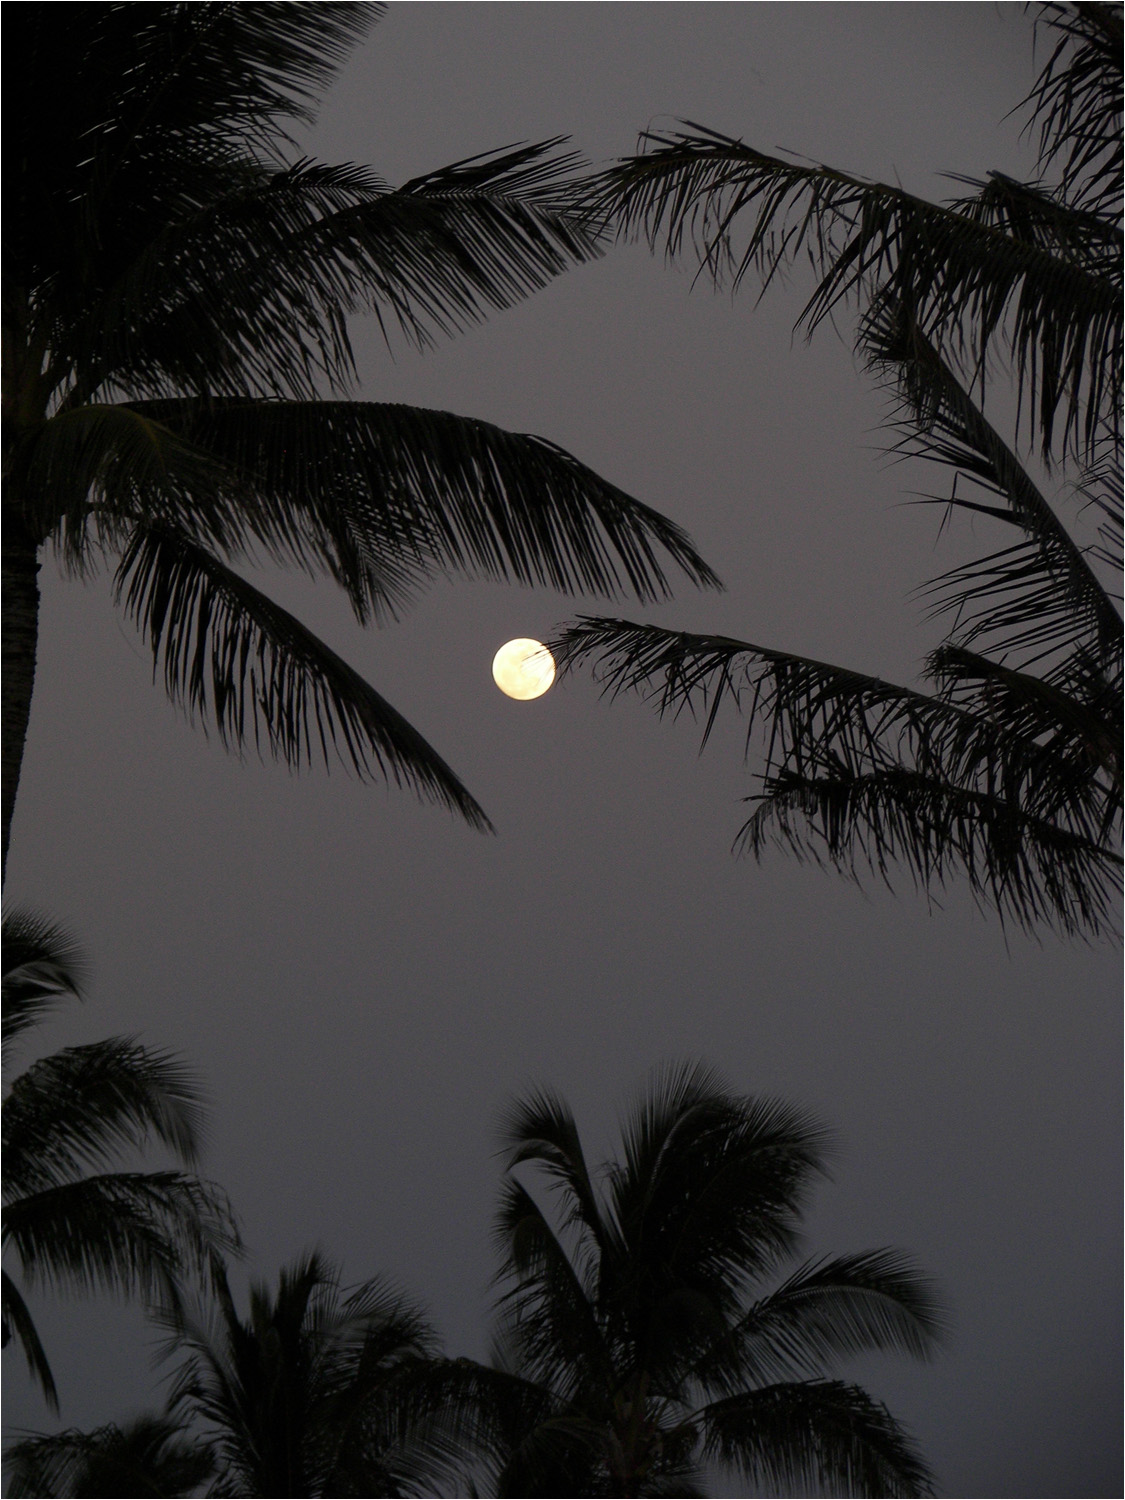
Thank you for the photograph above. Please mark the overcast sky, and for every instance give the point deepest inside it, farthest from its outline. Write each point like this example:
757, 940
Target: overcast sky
364, 983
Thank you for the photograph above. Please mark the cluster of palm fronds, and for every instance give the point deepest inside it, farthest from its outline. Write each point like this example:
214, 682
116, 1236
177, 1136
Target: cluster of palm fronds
178, 289
639, 1342
1004, 766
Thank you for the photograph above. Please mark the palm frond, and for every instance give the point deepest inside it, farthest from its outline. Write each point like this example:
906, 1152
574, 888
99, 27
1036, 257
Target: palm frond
969, 282
822, 1434
833, 1309
1039, 597
250, 291
540, 1128
547, 1314
126, 1233
709, 1190
233, 656
1076, 102
17, 1321
387, 496
149, 1456
42, 966
82, 1106
1030, 871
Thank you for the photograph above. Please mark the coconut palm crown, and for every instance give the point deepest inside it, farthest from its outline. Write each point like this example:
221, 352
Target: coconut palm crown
178, 283
74, 1220
1002, 767
641, 1341
311, 1391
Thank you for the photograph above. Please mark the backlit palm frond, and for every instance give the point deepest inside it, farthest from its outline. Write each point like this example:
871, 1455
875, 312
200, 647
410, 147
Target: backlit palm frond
386, 497
148, 1456
17, 1322
81, 1107
1037, 597
829, 1310
814, 1435
250, 292
540, 1128
87, 474
546, 1314
1030, 871
126, 1232
969, 282
42, 966
1076, 101
260, 677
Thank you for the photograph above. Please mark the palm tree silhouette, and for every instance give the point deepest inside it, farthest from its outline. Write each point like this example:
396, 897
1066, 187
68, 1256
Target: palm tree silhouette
313, 1392
178, 286
1003, 768
636, 1346
71, 1114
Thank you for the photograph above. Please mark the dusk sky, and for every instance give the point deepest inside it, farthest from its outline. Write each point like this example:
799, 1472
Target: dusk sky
363, 983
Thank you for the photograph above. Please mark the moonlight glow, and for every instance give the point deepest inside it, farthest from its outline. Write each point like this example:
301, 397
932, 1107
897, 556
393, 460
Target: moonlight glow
523, 669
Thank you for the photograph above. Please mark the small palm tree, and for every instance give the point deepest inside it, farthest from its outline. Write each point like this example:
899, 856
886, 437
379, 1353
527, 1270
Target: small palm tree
1003, 767
638, 1346
71, 1225
312, 1393
178, 287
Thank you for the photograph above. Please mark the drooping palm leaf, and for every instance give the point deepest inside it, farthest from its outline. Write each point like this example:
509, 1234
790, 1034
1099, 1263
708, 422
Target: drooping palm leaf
262, 678
17, 1321
129, 1233
822, 1434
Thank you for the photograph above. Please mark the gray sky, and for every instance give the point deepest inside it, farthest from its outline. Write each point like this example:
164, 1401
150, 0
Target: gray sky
364, 983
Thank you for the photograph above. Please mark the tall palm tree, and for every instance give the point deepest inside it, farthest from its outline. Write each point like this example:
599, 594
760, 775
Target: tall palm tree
71, 1224
1003, 766
639, 1344
312, 1392
177, 289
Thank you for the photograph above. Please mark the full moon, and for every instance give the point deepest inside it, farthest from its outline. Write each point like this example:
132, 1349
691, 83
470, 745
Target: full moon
523, 669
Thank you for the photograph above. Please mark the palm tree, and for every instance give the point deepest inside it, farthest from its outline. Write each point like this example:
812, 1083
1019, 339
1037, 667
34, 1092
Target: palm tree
178, 285
638, 1346
149, 1456
313, 1393
72, 1225
1003, 767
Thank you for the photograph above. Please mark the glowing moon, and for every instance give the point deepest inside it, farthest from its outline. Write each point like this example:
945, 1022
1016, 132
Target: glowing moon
523, 669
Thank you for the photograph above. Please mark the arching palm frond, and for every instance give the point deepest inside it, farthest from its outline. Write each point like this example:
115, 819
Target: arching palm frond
79, 1108
814, 1435
248, 293
246, 665
42, 966
628, 1360
386, 497
150, 1456
829, 1310
970, 283
998, 777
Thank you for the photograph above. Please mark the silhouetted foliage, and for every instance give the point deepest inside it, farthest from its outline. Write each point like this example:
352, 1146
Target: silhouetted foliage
1004, 767
178, 288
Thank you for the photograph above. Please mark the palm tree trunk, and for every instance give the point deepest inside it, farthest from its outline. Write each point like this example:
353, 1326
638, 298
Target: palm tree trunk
21, 632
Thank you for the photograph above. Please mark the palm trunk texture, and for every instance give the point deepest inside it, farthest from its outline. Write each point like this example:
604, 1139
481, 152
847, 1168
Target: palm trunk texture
21, 630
